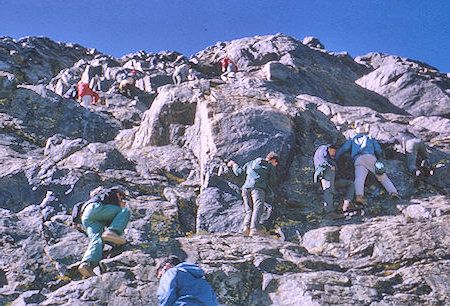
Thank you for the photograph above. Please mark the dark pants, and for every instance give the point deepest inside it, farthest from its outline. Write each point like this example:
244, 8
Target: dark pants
329, 185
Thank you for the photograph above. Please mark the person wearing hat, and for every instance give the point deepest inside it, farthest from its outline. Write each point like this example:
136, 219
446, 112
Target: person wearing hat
260, 178
182, 283
106, 209
364, 151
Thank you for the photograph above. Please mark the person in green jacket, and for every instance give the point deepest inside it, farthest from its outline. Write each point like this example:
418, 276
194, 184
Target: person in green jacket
260, 178
104, 210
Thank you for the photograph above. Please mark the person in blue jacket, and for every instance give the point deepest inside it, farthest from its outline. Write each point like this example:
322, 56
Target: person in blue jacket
260, 179
365, 150
183, 283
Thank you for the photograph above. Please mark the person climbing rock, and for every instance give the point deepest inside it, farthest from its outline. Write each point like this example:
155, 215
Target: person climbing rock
182, 283
193, 74
260, 179
181, 74
364, 151
326, 168
86, 95
229, 69
416, 155
71, 93
127, 85
104, 210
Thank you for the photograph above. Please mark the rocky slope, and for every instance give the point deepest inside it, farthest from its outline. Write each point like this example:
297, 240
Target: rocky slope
164, 147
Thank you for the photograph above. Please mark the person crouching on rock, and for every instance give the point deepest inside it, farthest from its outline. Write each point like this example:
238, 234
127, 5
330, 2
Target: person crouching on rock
416, 154
364, 151
127, 85
260, 178
86, 95
182, 283
106, 209
181, 73
229, 69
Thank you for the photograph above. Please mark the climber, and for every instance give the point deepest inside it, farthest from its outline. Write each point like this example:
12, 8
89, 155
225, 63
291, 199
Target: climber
193, 75
7, 80
182, 283
127, 85
105, 209
326, 169
71, 93
364, 151
415, 153
86, 95
229, 69
260, 179
181, 74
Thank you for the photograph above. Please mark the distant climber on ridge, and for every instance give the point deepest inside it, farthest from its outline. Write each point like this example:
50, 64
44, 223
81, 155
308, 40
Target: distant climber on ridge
182, 283
364, 150
229, 69
127, 85
106, 209
86, 95
71, 93
260, 179
326, 168
180, 74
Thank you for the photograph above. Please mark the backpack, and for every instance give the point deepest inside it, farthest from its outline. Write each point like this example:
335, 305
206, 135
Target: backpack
77, 211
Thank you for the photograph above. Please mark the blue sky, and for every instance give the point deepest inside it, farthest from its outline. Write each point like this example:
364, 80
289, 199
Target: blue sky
409, 28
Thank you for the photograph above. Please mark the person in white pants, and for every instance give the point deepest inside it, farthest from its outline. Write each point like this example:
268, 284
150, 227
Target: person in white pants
86, 100
363, 150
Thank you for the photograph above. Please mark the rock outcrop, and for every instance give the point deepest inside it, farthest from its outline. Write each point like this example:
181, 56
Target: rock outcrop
164, 145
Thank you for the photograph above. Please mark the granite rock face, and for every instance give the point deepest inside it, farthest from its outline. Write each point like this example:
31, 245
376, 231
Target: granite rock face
165, 143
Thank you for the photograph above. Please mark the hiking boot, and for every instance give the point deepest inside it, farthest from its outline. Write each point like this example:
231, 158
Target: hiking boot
255, 232
246, 231
360, 199
395, 195
112, 236
86, 270
346, 205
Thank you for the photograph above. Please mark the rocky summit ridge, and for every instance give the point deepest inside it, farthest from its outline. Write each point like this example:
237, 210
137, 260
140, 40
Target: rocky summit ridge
164, 146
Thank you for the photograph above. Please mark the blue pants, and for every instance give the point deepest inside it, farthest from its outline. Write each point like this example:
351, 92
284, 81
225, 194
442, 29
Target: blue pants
95, 217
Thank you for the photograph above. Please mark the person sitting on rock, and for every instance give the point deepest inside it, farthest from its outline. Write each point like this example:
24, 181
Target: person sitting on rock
104, 210
325, 166
127, 85
86, 95
364, 150
229, 69
415, 153
181, 74
260, 178
182, 283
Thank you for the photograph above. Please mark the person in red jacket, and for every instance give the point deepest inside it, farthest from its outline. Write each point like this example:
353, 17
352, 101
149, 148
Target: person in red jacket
86, 95
228, 68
